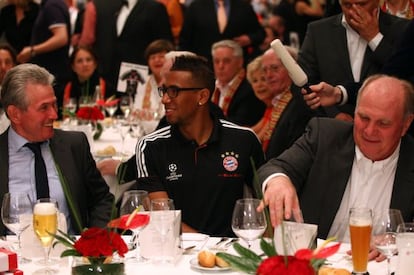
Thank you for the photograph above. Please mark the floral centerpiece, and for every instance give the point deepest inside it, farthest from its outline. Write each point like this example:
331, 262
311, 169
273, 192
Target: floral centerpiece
96, 248
304, 262
91, 114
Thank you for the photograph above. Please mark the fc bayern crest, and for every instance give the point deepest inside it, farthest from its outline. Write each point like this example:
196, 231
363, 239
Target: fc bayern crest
230, 163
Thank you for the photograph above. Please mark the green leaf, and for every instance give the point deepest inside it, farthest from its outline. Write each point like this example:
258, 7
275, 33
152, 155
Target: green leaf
246, 253
268, 248
239, 263
70, 252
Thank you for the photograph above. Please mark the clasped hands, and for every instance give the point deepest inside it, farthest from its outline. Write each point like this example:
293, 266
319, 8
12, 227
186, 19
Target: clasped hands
281, 198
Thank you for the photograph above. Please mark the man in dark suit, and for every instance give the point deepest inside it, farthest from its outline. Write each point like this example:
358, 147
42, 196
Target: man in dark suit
337, 165
233, 93
360, 40
145, 21
30, 104
200, 29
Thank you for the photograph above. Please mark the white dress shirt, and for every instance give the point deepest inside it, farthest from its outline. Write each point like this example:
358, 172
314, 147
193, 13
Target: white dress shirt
123, 15
21, 159
369, 185
356, 48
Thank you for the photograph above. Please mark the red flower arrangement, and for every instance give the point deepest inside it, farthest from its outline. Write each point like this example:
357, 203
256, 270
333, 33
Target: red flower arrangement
99, 242
90, 113
304, 262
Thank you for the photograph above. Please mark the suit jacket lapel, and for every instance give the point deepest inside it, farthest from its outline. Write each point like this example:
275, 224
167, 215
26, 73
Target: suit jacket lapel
403, 188
341, 45
136, 10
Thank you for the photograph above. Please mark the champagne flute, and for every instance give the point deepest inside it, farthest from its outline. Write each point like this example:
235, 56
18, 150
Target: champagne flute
16, 214
162, 218
385, 231
135, 201
360, 227
247, 223
45, 223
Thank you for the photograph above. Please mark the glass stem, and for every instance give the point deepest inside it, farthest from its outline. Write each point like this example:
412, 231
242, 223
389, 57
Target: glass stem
388, 265
46, 250
136, 244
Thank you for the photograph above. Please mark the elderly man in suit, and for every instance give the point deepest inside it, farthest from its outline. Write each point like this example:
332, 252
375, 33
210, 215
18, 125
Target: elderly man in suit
50, 159
233, 93
360, 40
338, 165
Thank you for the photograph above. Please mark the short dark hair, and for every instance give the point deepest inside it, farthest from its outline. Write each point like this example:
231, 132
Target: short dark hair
198, 67
158, 46
11, 50
88, 49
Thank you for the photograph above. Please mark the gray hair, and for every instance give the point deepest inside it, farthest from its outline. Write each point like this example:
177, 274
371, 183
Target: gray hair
237, 50
13, 91
406, 86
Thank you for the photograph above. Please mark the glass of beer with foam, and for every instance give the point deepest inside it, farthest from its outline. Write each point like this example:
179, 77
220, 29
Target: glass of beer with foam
360, 227
45, 223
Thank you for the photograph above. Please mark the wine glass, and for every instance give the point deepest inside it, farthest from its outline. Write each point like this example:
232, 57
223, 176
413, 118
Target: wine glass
111, 109
123, 127
45, 223
247, 223
16, 214
385, 231
134, 201
162, 219
125, 105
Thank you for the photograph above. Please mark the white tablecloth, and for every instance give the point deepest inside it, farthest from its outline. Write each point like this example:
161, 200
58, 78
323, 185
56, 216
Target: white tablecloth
183, 266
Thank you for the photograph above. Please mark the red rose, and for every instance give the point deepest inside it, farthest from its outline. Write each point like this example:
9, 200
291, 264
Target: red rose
90, 113
276, 266
98, 242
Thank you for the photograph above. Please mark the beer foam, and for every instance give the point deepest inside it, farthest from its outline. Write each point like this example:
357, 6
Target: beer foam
360, 221
45, 208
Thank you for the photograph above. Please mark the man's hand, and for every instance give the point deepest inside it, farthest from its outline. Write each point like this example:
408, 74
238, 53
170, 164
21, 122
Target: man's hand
363, 22
108, 166
25, 55
281, 197
243, 40
373, 254
344, 117
323, 94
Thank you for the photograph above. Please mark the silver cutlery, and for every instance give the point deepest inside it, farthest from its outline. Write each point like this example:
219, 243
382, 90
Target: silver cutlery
232, 241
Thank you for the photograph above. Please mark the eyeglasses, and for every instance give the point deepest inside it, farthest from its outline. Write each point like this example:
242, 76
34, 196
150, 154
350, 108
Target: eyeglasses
271, 68
172, 91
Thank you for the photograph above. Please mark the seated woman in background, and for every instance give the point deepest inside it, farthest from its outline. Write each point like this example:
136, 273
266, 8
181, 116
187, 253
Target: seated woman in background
85, 77
147, 102
257, 79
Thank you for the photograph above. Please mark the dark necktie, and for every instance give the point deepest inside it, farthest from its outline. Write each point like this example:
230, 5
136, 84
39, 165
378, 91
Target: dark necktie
125, 3
42, 185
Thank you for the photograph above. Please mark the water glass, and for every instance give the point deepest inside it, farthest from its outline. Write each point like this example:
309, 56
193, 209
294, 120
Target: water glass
163, 220
360, 227
405, 247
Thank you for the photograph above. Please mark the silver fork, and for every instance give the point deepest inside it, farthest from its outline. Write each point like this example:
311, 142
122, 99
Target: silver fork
219, 243
234, 240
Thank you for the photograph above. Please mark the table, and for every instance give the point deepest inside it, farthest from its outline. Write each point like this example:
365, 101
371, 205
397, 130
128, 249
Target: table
182, 265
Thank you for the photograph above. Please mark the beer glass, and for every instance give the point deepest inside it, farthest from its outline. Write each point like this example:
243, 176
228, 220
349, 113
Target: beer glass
45, 225
360, 227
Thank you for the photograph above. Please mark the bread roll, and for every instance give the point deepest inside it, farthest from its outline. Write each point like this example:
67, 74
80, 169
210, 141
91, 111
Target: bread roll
221, 263
107, 151
325, 270
206, 259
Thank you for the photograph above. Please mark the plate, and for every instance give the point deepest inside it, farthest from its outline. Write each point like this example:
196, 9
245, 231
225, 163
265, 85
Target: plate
194, 264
